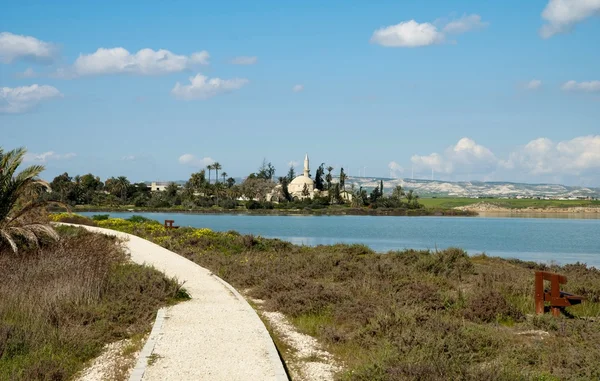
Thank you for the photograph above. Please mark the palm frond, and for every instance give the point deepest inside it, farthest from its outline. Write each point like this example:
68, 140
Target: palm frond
18, 195
29, 173
7, 237
28, 234
43, 229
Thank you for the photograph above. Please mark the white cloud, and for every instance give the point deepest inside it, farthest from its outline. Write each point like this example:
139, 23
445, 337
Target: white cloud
129, 158
464, 157
202, 87
46, 156
144, 62
433, 161
464, 24
408, 34
544, 157
588, 87
21, 99
298, 88
534, 84
562, 15
293, 163
244, 60
15, 47
395, 169
539, 160
191, 160
411, 34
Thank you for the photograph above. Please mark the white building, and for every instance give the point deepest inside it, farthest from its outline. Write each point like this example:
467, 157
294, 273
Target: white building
302, 186
159, 186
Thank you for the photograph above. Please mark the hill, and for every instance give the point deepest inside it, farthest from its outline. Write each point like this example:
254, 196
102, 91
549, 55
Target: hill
429, 188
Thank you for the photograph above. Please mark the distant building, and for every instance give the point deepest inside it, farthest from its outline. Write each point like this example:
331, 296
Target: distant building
345, 195
159, 186
302, 186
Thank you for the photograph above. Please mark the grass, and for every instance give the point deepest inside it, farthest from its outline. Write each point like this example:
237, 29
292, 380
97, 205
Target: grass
406, 315
61, 304
452, 202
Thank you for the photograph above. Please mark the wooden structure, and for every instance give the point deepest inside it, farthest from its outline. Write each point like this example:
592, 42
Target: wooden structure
169, 224
558, 300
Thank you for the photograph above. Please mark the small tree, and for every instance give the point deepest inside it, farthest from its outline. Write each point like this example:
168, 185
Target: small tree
305, 191
284, 188
343, 179
375, 194
63, 186
291, 174
230, 182
329, 178
319, 177
266, 170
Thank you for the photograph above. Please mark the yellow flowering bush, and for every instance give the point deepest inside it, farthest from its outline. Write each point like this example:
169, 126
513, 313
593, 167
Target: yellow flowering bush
58, 217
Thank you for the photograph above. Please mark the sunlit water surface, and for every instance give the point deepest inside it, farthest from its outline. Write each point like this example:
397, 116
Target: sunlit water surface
562, 240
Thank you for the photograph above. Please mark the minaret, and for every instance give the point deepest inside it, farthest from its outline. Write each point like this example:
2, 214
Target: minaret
306, 167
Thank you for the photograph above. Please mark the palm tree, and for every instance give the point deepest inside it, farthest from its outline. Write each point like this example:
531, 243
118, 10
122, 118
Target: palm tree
216, 167
210, 167
224, 176
121, 185
19, 207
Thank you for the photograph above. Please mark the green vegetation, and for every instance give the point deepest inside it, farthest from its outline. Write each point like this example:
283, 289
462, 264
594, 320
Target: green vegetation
452, 202
21, 221
406, 315
60, 304
260, 191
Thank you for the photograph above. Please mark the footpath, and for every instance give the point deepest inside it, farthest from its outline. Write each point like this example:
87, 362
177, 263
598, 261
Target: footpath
216, 335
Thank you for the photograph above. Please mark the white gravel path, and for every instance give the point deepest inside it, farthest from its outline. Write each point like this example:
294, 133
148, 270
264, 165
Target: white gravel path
214, 336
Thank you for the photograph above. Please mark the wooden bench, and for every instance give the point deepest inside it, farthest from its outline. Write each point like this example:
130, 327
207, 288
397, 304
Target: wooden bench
558, 299
169, 224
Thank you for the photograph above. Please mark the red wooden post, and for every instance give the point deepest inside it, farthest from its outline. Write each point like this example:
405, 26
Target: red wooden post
539, 292
554, 294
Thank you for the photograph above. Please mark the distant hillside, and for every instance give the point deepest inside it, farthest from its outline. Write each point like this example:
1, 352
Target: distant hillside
428, 188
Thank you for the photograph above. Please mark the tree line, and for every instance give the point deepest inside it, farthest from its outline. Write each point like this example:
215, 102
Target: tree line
260, 190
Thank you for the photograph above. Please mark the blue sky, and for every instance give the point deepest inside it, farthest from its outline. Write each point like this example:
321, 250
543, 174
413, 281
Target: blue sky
473, 90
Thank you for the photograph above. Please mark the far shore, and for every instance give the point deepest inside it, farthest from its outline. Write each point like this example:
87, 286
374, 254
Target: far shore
468, 211
289, 212
486, 208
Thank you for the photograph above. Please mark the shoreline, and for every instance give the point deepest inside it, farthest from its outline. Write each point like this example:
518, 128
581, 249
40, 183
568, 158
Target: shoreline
292, 212
483, 208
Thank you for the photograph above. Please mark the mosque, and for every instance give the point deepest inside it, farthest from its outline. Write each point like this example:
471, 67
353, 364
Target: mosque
297, 187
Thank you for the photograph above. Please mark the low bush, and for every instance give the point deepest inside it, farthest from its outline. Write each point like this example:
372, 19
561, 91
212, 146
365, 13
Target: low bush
72, 218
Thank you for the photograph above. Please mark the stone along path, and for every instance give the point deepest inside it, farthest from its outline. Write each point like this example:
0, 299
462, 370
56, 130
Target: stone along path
214, 336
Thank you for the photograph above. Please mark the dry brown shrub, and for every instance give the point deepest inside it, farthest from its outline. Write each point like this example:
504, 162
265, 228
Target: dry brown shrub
489, 305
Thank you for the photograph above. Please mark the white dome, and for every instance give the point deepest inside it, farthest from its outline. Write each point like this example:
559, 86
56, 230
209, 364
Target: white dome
301, 180
297, 185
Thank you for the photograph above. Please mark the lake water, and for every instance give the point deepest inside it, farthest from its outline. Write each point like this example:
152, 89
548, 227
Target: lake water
538, 239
